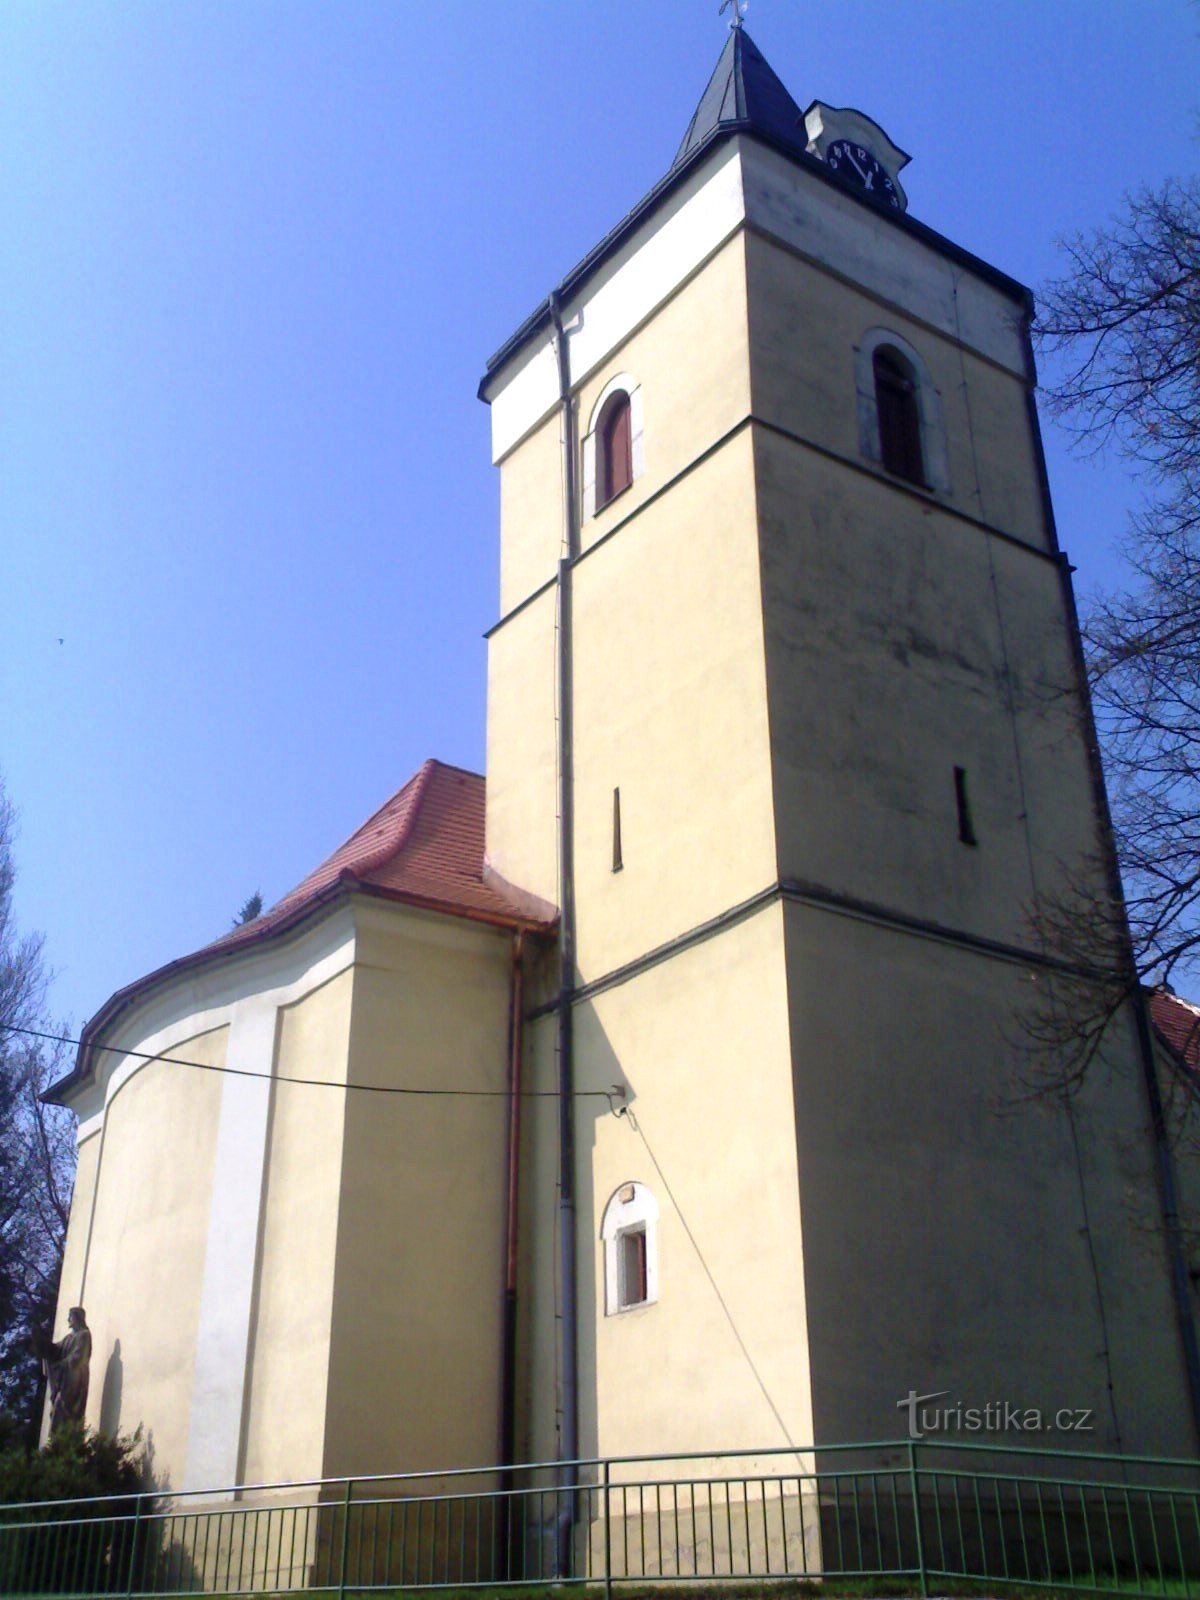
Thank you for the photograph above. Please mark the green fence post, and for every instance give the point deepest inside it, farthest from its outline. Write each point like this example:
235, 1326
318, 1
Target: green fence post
133, 1548
345, 1538
916, 1500
607, 1541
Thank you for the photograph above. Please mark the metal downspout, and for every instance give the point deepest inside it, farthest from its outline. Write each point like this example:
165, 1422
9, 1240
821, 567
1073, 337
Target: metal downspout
568, 1448
508, 1348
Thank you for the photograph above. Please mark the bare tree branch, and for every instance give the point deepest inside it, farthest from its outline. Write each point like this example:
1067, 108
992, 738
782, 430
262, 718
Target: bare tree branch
1121, 331
37, 1155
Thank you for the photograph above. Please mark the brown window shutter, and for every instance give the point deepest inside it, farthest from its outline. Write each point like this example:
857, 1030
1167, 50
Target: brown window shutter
615, 437
634, 1285
899, 417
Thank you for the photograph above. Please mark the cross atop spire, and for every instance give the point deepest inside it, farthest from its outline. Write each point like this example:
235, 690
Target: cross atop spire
738, 9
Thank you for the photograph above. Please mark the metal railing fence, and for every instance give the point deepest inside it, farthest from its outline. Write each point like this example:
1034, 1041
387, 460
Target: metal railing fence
926, 1511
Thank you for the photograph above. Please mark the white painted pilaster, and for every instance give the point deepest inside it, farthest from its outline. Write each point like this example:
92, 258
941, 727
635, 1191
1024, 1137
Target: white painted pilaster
223, 1335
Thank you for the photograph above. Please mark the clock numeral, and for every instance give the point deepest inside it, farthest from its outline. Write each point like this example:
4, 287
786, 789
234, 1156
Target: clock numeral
864, 167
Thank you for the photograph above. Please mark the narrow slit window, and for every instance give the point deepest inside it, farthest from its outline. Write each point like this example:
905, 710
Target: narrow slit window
617, 860
966, 828
898, 405
614, 449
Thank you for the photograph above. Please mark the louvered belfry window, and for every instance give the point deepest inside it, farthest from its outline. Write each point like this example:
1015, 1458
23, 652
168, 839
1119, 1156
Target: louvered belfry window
899, 410
614, 442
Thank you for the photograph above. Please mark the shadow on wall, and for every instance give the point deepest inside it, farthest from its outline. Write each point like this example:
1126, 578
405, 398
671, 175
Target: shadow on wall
604, 1068
110, 1396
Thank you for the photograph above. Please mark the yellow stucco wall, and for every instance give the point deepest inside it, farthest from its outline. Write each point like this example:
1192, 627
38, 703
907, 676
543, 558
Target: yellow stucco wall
531, 513
702, 1043
893, 637
675, 584
71, 1284
805, 325
522, 794
670, 707
682, 417
946, 1244
538, 1373
668, 641
1065, 838
146, 1264
413, 1377
293, 1307
902, 643
1179, 1113
691, 361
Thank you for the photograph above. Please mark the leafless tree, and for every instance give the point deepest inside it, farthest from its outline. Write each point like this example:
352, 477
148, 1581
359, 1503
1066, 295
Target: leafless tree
36, 1150
1121, 329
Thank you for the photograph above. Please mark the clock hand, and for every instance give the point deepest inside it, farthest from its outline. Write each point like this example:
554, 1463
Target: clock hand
855, 165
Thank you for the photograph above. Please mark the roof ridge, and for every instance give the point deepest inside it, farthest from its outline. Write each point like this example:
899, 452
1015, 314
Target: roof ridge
1176, 1000
354, 832
392, 847
451, 766
728, 48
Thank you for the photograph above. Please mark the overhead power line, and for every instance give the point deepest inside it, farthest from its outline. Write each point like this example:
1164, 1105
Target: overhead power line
629, 1116
617, 1092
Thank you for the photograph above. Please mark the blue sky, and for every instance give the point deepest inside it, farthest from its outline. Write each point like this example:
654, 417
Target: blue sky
254, 258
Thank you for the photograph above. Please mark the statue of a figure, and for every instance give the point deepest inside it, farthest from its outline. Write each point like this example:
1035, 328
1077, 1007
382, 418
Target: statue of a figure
67, 1369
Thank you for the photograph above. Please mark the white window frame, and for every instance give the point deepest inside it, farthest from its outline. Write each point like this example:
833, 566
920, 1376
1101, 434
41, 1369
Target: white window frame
638, 1214
623, 383
934, 456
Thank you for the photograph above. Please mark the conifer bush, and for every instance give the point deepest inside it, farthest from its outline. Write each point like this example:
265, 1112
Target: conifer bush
68, 1513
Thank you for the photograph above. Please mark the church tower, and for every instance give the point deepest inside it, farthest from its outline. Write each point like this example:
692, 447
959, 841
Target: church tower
786, 715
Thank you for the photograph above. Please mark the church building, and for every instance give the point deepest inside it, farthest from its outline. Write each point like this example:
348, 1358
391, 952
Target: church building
663, 1092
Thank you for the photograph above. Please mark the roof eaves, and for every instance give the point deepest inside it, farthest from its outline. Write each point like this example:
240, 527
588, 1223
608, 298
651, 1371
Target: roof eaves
513, 920
346, 884
209, 955
583, 270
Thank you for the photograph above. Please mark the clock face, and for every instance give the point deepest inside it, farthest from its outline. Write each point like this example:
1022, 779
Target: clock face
856, 163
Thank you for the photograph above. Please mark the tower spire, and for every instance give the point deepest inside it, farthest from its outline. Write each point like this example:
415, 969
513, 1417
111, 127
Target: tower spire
744, 93
736, 6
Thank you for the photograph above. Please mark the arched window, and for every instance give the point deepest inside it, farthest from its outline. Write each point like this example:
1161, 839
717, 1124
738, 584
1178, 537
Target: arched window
899, 411
614, 448
630, 1236
896, 401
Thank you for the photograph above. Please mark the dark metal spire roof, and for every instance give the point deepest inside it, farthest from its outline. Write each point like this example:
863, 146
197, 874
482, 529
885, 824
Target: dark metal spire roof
744, 92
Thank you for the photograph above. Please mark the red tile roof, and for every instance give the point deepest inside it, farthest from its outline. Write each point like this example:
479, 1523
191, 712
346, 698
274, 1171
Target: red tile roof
1177, 1024
424, 847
